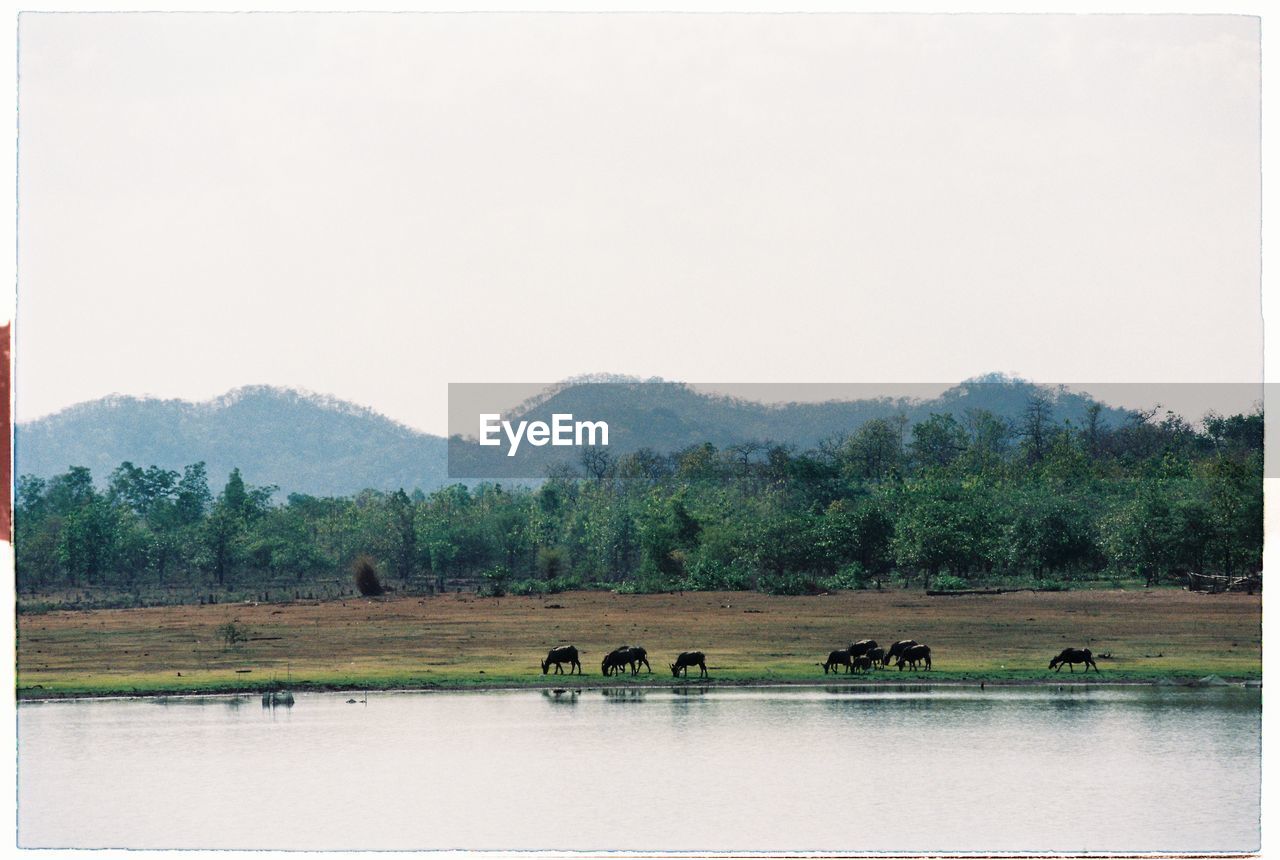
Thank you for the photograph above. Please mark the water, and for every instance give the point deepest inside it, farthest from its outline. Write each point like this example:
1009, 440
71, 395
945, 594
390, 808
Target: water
834, 769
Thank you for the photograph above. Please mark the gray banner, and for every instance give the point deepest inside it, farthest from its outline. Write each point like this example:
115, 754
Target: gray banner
529, 430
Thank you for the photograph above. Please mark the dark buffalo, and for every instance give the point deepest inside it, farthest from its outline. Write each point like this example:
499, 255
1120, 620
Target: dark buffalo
687, 659
563, 654
896, 650
862, 646
1070, 656
861, 663
914, 655
875, 655
625, 656
637, 655
615, 661
836, 659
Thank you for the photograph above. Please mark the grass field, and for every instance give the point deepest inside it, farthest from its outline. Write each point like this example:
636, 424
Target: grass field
464, 641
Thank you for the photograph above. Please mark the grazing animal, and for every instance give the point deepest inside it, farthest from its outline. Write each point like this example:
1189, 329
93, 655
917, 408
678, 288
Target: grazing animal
637, 655
615, 661
563, 654
913, 656
624, 656
1071, 656
862, 646
875, 655
687, 659
896, 649
835, 660
861, 663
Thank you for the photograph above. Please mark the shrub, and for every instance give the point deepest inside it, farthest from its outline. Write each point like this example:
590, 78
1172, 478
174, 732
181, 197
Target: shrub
563, 583
525, 587
787, 584
849, 576
657, 584
947, 582
366, 574
231, 634
551, 562
495, 582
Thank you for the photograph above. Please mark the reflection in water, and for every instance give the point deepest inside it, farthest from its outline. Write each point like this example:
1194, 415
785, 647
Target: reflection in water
1002, 769
561, 697
231, 702
685, 690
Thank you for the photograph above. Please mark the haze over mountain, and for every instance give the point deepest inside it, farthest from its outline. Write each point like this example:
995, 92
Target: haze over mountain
300, 442
319, 445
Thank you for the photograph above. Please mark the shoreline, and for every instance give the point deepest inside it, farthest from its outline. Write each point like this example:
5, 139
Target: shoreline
464, 642
592, 684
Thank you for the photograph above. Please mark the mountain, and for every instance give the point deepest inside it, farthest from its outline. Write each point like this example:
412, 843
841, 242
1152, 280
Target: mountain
668, 416
319, 445
302, 443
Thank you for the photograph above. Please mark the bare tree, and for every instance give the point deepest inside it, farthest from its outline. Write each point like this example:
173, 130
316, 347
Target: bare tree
596, 462
1037, 424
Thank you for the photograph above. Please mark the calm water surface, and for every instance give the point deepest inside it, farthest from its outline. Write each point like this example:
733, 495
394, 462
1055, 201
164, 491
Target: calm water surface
1083, 769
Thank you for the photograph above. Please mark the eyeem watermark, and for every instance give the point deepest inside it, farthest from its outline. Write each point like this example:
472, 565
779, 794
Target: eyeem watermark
587, 427
562, 431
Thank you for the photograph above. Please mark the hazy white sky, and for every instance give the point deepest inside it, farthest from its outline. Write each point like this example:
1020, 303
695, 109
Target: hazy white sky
372, 206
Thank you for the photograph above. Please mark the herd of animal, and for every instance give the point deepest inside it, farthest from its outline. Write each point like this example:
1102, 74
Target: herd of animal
862, 656
865, 654
624, 657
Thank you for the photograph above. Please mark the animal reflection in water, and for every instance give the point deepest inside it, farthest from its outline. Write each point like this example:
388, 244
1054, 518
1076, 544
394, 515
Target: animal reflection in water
1071, 656
687, 659
629, 694
564, 654
622, 657
558, 697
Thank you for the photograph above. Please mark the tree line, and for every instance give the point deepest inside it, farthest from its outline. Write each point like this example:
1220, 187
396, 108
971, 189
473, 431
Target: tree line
948, 502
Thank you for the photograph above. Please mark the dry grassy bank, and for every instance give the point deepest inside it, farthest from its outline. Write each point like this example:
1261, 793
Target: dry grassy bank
463, 640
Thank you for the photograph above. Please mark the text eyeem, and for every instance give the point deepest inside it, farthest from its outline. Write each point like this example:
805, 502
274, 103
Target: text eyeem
562, 430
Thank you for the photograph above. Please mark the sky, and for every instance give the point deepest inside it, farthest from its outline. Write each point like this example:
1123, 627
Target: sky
373, 206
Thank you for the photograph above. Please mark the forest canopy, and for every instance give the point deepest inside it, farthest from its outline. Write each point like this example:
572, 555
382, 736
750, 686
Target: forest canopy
947, 502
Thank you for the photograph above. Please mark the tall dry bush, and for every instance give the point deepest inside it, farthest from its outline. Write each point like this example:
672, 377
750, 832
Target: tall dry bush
367, 582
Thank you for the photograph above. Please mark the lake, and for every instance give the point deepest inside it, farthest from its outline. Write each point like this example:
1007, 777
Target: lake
1088, 768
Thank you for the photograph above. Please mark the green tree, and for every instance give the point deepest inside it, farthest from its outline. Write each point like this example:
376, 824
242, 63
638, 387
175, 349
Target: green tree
938, 441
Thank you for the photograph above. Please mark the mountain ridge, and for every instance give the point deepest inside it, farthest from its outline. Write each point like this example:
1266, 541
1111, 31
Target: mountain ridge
318, 444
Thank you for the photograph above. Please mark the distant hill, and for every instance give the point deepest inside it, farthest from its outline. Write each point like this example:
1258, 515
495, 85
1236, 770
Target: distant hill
300, 442
668, 416
323, 446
